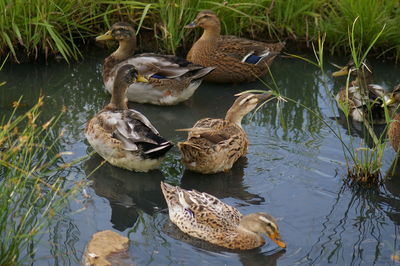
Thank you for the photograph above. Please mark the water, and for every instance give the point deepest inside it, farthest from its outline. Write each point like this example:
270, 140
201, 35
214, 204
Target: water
294, 170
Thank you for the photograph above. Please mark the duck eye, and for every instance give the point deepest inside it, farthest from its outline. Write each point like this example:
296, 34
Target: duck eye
206, 16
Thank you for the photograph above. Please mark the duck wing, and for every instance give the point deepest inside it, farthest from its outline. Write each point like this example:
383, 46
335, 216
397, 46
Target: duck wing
209, 209
213, 130
248, 51
204, 208
135, 132
166, 66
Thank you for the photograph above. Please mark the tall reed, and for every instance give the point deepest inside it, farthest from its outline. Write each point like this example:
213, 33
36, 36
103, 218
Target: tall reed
32, 184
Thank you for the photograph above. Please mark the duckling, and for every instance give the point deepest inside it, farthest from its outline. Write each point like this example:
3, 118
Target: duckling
124, 137
203, 216
236, 59
214, 145
171, 79
362, 92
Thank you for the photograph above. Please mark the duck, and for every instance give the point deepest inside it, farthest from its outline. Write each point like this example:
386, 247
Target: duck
205, 217
124, 137
236, 59
394, 126
358, 98
394, 133
214, 145
171, 79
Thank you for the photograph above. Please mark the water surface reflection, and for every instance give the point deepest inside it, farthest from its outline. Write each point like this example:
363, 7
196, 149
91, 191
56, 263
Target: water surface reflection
294, 170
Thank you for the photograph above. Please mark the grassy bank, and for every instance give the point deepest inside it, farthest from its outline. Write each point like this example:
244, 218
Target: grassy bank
35, 28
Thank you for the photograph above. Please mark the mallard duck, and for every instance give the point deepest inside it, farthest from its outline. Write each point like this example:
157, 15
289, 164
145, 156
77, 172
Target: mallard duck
362, 92
394, 127
124, 137
394, 132
236, 59
171, 79
214, 145
203, 216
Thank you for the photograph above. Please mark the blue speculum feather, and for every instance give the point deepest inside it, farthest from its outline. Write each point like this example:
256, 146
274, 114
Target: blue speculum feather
190, 212
156, 76
253, 59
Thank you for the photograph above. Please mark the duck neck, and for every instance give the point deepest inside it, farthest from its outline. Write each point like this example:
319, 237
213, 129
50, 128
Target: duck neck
234, 116
211, 33
363, 79
125, 49
118, 100
252, 239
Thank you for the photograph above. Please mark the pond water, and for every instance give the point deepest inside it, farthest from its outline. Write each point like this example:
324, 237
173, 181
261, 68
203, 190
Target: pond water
294, 170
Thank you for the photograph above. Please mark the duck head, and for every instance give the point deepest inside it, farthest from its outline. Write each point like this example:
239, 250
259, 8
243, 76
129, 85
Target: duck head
206, 19
126, 75
125, 34
361, 76
243, 105
394, 96
263, 223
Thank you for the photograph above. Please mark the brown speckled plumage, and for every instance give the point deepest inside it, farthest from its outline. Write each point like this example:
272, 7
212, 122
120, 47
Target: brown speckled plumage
227, 53
203, 216
394, 132
214, 145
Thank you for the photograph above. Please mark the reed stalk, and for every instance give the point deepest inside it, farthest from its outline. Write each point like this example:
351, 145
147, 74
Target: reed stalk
33, 188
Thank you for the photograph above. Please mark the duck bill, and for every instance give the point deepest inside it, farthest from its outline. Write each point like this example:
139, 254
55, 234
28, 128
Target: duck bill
191, 25
263, 97
141, 78
341, 72
106, 36
390, 100
277, 239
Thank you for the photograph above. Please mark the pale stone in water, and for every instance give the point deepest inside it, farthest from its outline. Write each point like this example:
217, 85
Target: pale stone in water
103, 246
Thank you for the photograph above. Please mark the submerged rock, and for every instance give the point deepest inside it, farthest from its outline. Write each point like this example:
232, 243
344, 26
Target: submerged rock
104, 248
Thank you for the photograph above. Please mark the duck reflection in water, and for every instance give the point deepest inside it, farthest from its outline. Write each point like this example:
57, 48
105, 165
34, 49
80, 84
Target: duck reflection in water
223, 185
128, 192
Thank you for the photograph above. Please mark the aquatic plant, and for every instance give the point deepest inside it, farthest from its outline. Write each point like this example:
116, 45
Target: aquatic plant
363, 159
366, 160
33, 188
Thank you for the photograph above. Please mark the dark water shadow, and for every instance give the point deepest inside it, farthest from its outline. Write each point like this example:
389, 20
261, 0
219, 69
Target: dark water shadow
128, 192
223, 185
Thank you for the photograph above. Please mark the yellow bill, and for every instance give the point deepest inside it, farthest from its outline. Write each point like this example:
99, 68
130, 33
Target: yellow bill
141, 78
341, 72
106, 36
277, 239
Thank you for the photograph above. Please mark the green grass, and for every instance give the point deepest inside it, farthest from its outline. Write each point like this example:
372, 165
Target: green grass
32, 184
32, 28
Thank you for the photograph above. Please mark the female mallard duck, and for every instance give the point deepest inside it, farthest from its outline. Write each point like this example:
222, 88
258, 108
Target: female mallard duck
214, 145
203, 216
171, 79
394, 127
124, 137
394, 132
362, 92
236, 59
